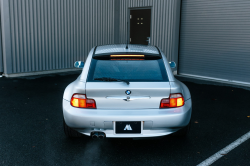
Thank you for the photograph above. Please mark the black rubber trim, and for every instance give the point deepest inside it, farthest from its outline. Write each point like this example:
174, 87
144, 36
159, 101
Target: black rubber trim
159, 51
94, 51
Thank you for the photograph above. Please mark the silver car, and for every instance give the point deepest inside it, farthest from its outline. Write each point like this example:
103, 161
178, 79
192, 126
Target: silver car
126, 91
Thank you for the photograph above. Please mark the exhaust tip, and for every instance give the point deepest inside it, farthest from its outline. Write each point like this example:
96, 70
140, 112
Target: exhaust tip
101, 136
95, 135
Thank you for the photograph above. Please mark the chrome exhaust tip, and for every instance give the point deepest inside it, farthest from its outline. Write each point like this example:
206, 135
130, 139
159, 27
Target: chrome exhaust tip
102, 136
95, 135
99, 135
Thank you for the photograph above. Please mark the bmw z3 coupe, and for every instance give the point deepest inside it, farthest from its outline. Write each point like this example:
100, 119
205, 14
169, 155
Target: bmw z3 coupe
126, 92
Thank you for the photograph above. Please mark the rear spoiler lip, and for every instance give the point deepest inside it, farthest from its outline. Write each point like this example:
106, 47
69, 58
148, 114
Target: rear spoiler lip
107, 55
149, 55
126, 53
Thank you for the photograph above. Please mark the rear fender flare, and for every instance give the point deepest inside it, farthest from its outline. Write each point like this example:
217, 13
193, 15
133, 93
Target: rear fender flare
179, 87
75, 87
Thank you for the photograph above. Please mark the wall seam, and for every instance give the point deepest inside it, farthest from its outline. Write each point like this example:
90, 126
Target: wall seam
6, 38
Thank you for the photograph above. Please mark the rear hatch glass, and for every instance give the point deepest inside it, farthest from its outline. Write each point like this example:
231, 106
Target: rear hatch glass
109, 79
130, 70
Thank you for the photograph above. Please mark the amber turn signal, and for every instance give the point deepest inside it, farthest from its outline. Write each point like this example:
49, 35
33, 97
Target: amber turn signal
175, 100
81, 101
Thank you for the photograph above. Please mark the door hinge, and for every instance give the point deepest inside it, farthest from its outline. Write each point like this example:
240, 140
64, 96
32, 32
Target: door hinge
130, 16
130, 39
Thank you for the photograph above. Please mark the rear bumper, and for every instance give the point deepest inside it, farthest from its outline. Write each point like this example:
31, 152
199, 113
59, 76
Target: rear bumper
155, 122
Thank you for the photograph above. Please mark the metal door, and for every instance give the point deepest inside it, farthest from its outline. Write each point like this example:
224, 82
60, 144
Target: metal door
140, 21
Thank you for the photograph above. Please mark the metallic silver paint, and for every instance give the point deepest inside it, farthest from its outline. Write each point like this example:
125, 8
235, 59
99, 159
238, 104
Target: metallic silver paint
85, 70
179, 87
111, 106
128, 98
155, 91
164, 120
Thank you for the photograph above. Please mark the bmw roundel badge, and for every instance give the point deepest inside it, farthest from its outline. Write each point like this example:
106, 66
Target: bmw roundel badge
128, 92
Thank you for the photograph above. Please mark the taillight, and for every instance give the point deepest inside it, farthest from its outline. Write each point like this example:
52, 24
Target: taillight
81, 101
175, 100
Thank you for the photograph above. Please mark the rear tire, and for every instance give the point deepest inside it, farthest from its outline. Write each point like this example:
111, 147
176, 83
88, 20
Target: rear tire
69, 132
182, 133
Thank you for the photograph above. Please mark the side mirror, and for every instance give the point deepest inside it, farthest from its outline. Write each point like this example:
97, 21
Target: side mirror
79, 64
172, 64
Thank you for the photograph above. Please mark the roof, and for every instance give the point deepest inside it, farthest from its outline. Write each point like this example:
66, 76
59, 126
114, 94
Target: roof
122, 48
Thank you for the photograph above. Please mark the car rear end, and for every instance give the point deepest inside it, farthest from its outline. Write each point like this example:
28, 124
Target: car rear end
126, 94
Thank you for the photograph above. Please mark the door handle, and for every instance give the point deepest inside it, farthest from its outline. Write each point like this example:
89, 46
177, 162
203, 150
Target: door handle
148, 40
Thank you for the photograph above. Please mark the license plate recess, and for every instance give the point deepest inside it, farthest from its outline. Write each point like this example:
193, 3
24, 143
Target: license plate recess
128, 127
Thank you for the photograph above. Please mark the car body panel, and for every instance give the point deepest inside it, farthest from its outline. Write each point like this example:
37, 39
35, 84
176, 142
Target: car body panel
85, 70
167, 120
112, 94
179, 87
75, 87
171, 77
111, 104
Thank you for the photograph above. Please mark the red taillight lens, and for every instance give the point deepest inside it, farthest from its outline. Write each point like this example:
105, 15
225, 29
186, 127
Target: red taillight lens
81, 101
90, 103
175, 100
165, 103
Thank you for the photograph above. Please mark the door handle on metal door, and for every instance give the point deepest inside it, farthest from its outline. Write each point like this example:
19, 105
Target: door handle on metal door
148, 40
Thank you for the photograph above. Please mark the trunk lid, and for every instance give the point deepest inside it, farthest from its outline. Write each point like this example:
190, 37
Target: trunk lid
111, 95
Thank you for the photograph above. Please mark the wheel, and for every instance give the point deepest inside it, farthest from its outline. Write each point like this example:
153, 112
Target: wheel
69, 132
182, 133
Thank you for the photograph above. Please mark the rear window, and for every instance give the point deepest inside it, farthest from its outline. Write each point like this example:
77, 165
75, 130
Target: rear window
130, 70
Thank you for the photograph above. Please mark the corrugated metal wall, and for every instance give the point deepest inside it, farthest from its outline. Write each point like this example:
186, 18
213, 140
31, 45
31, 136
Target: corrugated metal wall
53, 34
215, 39
1, 51
164, 23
